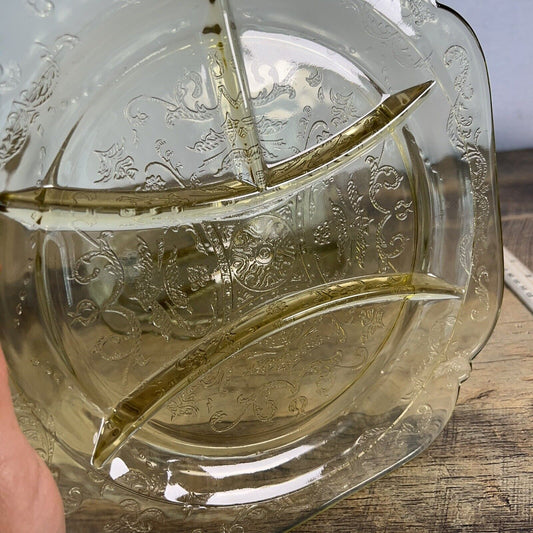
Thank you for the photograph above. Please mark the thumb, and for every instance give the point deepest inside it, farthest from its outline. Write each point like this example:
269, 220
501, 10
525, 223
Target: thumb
29, 498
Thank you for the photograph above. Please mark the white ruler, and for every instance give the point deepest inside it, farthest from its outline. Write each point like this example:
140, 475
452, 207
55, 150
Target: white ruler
518, 278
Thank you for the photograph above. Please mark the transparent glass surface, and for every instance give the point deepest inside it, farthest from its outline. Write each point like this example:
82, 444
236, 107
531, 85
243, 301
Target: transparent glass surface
248, 249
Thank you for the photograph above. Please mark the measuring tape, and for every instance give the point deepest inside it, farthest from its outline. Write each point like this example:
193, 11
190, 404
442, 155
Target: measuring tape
518, 278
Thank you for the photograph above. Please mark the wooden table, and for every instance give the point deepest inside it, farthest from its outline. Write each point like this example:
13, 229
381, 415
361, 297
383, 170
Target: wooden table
478, 475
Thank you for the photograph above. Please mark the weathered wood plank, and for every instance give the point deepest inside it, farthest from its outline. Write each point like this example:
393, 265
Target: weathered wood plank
516, 199
515, 179
518, 237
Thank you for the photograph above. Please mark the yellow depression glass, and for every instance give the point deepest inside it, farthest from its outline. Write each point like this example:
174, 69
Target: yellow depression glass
248, 249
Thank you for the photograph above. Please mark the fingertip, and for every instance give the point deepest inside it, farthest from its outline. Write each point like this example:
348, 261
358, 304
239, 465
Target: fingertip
4, 375
7, 413
3, 365
29, 498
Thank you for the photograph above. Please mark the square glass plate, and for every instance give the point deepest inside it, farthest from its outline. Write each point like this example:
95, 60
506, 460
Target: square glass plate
248, 249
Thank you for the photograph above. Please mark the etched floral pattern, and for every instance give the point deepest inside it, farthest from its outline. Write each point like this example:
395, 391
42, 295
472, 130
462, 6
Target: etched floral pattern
263, 253
135, 520
263, 404
348, 228
115, 346
115, 164
25, 109
42, 8
10, 74
465, 138
160, 286
42, 441
421, 12
387, 178
226, 143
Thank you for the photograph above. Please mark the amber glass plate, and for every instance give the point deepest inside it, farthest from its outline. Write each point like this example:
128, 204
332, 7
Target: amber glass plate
249, 249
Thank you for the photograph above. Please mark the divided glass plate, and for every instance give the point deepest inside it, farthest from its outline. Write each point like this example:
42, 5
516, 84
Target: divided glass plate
248, 249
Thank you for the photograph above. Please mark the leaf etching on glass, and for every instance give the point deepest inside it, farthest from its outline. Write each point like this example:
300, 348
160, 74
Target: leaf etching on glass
135, 520
372, 321
465, 138
457, 56
420, 11
42, 8
115, 164
10, 75
387, 178
343, 110
41, 439
264, 252
25, 110
264, 404
185, 404
123, 343
163, 288
351, 227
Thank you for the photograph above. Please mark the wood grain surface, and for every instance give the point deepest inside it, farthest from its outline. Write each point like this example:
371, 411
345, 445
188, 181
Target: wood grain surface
477, 477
